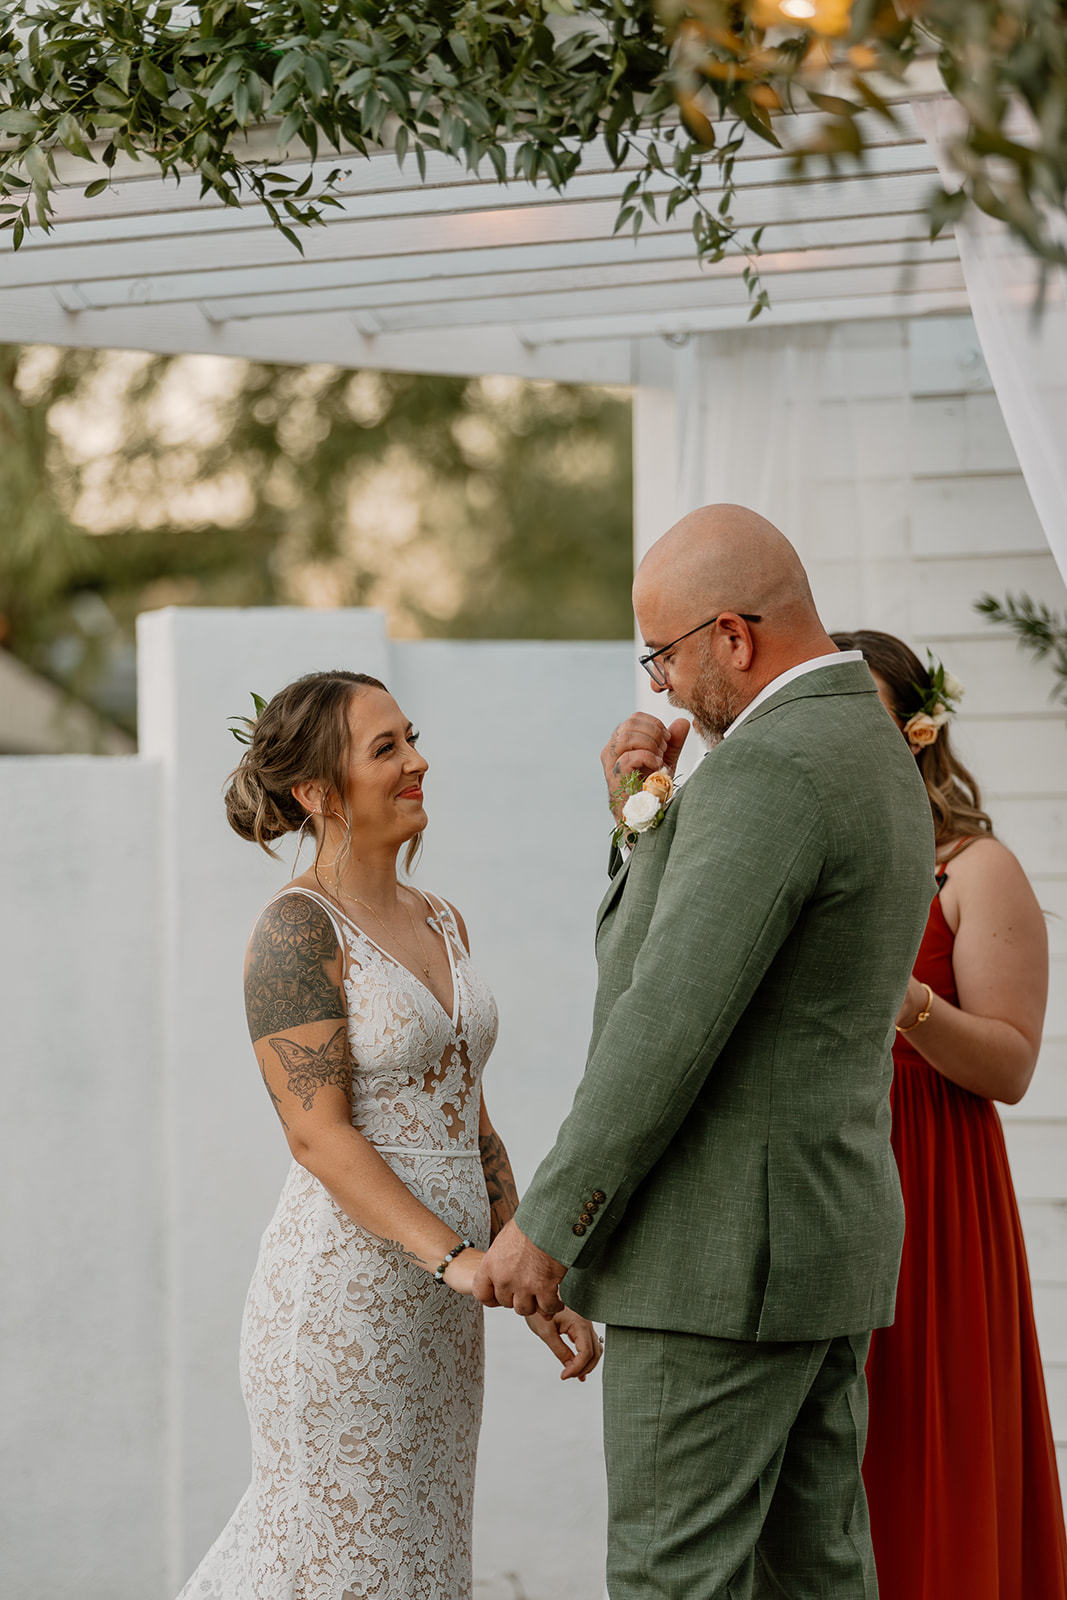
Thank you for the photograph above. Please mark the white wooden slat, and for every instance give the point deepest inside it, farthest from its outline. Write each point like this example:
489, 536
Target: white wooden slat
1050, 1312
709, 293
1016, 756
36, 317
619, 252
230, 240
1056, 1390
1051, 894
1037, 832
846, 307
946, 358
960, 433
942, 602
975, 515
1045, 1229
1056, 1010
477, 299
1000, 680
771, 181
136, 190
1047, 1094
1037, 1152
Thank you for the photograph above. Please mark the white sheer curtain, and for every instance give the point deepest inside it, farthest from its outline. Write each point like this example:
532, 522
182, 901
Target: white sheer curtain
810, 427
1026, 354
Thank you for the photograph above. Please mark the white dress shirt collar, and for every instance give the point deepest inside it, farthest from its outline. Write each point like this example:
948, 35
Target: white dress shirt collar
787, 677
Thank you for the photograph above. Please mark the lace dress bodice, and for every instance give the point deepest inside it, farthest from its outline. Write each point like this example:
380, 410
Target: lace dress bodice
362, 1376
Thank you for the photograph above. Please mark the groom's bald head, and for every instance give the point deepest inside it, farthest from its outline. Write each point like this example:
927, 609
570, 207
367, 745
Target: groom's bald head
699, 589
725, 557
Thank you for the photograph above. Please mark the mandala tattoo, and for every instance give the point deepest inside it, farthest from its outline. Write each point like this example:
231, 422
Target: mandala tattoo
309, 1067
286, 983
499, 1181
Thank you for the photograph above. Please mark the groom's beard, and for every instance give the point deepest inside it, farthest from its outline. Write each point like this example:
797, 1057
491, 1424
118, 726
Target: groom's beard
714, 701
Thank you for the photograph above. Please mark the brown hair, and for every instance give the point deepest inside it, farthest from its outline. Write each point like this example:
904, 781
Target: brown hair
300, 736
955, 798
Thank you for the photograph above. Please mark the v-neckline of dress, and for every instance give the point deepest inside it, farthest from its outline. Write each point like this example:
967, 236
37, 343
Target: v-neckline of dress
453, 1017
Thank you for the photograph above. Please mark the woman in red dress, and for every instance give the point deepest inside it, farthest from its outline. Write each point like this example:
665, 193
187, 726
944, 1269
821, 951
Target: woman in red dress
960, 1467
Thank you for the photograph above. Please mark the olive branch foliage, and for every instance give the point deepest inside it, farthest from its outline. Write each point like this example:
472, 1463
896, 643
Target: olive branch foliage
670, 87
1037, 628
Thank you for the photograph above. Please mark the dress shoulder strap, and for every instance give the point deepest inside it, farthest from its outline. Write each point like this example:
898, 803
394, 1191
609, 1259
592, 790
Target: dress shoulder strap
445, 916
320, 900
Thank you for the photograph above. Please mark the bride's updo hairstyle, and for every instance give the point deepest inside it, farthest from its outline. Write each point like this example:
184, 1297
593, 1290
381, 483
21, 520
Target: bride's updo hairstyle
955, 798
300, 736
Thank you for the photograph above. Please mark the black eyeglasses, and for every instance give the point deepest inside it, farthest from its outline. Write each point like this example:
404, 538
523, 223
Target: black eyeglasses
655, 672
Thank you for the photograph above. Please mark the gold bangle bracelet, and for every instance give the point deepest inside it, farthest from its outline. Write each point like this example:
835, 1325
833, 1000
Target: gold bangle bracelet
923, 1014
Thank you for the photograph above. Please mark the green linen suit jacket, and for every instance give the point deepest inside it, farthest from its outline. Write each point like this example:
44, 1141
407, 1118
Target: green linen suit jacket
726, 1166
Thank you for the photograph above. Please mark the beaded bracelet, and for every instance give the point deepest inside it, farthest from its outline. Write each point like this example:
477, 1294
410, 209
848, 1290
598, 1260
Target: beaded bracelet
464, 1244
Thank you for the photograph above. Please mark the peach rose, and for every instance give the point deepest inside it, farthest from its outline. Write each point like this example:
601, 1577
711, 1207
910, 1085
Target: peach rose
920, 730
661, 784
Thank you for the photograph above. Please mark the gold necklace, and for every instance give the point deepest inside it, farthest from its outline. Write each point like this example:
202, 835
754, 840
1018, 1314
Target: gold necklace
421, 958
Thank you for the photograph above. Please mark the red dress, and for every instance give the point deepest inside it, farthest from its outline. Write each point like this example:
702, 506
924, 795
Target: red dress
960, 1466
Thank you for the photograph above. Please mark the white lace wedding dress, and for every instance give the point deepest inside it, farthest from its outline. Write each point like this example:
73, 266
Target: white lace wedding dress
362, 1376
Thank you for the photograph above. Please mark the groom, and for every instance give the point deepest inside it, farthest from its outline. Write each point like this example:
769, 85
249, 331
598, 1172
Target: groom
722, 1194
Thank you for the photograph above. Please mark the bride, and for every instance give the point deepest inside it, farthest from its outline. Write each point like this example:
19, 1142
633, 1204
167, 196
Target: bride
361, 1348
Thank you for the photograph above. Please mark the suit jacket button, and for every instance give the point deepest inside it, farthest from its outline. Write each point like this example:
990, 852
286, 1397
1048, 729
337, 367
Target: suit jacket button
599, 1195
586, 1217
579, 1228
592, 1205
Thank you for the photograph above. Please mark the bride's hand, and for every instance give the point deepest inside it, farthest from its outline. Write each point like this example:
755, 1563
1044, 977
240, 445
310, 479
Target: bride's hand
560, 1333
459, 1274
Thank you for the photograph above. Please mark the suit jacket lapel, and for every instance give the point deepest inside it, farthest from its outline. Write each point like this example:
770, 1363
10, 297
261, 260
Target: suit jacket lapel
614, 890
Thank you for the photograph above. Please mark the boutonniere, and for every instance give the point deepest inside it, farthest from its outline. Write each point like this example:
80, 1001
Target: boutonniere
646, 801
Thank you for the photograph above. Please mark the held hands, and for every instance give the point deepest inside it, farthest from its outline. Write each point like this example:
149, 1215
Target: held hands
514, 1272
567, 1325
641, 744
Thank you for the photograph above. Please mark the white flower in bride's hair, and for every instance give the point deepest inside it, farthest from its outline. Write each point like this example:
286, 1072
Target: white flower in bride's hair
641, 811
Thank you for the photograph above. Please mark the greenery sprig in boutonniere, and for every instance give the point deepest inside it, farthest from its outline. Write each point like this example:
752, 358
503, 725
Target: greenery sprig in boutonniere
243, 734
936, 705
644, 800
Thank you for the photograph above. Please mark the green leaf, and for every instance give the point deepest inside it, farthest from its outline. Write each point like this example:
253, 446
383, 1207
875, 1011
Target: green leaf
35, 160
105, 95
71, 135
97, 186
152, 78
400, 144
291, 62
15, 120
241, 103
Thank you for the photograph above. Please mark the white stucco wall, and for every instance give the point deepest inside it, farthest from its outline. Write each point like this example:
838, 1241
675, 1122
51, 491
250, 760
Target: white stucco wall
83, 1368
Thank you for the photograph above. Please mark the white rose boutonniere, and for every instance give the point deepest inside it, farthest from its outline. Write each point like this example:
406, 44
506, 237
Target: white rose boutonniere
644, 806
641, 811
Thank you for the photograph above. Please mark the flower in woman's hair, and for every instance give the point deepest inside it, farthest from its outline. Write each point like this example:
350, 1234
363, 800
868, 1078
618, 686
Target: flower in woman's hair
921, 729
659, 783
641, 811
951, 686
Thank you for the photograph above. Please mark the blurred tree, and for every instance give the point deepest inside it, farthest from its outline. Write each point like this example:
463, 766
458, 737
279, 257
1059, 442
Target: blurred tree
483, 507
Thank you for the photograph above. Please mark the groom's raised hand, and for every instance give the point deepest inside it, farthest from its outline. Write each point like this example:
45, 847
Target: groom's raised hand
642, 744
514, 1272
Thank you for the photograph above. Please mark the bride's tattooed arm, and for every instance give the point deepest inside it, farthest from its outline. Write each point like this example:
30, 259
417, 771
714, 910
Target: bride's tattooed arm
286, 979
499, 1181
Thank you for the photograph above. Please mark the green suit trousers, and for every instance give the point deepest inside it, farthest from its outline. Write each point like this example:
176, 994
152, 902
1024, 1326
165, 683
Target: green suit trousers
734, 1468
